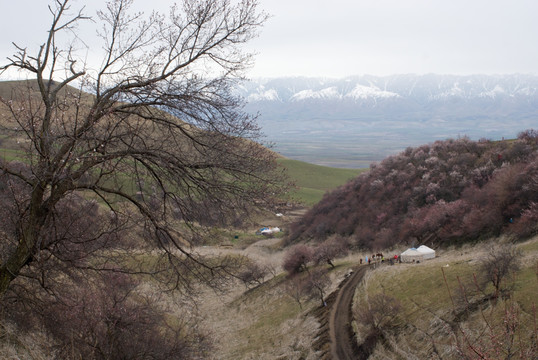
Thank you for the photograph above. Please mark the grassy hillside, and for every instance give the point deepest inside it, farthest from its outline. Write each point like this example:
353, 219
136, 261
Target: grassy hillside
440, 311
313, 181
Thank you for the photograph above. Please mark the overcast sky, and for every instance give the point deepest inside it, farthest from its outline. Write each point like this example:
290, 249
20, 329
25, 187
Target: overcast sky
336, 38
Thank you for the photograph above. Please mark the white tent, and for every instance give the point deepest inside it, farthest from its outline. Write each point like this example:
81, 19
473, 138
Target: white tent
270, 230
411, 255
428, 253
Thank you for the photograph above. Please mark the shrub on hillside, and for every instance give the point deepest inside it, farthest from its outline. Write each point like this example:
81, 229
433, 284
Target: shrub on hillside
297, 258
497, 267
381, 313
527, 225
108, 319
448, 191
330, 249
252, 273
530, 136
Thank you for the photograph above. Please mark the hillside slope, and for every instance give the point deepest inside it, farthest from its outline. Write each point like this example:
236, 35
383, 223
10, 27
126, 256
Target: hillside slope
441, 309
445, 192
313, 181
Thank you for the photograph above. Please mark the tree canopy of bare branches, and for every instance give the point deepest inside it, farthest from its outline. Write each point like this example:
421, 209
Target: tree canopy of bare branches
381, 314
153, 133
498, 265
297, 258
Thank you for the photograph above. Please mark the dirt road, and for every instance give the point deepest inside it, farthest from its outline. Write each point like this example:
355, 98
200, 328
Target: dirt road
343, 345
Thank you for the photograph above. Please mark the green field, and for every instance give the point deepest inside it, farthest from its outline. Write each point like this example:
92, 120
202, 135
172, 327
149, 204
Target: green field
313, 181
432, 296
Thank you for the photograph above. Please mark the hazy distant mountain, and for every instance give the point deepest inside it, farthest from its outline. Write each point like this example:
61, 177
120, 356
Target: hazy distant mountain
356, 120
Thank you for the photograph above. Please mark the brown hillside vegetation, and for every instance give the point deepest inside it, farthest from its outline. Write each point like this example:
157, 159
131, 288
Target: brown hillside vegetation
446, 192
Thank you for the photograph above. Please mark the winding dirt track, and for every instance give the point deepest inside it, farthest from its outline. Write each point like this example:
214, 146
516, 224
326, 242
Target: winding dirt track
343, 345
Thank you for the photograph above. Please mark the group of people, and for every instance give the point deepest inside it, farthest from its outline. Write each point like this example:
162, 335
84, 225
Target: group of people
379, 257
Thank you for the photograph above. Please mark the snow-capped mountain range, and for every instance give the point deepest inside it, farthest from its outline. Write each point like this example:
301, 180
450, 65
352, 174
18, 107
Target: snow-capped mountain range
356, 120
357, 88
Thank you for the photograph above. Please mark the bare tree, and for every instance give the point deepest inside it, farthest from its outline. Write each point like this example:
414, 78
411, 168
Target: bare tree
253, 273
498, 265
316, 284
310, 285
382, 313
154, 133
330, 249
295, 287
297, 259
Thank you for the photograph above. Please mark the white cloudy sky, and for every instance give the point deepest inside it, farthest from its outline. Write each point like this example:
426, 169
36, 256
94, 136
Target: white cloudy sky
335, 38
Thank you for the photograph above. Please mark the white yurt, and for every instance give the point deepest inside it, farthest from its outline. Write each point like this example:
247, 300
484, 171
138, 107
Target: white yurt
411, 255
428, 253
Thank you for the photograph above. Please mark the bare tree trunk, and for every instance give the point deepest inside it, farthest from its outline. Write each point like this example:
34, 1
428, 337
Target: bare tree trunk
10, 270
27, 241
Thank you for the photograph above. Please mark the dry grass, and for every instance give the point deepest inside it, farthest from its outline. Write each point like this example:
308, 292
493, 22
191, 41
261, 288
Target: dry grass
428, 302
260, 323
22, 346
264, 322
264, 327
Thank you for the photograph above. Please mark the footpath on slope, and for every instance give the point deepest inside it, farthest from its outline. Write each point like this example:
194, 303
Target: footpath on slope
336, 339
343, 344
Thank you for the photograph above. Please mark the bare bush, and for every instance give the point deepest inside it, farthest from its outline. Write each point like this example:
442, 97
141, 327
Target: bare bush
503, 331
498, 265
330, 249
253, 273
110, 319
381, 313
508, 338
297, 258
